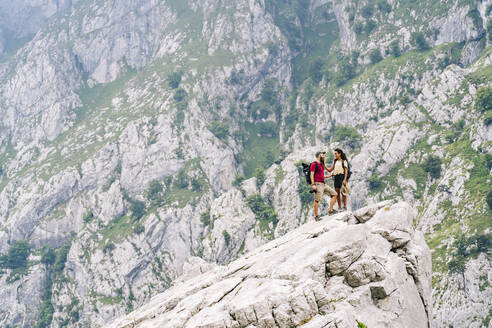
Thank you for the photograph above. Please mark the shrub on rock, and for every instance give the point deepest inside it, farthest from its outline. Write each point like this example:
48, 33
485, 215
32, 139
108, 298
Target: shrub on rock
433, 166
417, 39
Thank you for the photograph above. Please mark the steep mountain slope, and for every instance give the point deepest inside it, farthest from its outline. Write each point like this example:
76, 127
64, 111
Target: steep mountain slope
125, 125
144, 126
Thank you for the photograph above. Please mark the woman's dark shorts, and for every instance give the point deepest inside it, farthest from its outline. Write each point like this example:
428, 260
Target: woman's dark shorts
339, 180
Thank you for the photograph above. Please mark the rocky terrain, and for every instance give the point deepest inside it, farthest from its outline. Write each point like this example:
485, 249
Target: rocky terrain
369, 267
138, 134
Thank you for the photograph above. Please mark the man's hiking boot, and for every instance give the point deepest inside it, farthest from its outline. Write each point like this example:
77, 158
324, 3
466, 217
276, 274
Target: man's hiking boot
332, 212
316, 218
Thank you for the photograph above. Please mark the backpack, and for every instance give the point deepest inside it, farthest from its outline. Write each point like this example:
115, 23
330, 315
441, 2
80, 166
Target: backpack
307, 171
349, 171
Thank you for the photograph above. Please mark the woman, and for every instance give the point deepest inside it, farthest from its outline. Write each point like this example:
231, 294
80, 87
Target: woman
340, 171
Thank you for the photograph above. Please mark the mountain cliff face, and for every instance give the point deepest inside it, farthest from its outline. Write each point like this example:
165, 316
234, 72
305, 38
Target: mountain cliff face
334, 273
137, 134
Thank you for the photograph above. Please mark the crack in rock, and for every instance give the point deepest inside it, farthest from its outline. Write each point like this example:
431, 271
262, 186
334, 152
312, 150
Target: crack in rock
228, 292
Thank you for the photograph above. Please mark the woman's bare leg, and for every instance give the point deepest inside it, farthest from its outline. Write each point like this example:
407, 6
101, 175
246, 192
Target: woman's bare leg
338, 197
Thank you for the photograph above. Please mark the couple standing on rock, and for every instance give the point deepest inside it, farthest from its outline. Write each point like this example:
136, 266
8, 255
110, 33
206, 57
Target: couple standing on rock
340, 172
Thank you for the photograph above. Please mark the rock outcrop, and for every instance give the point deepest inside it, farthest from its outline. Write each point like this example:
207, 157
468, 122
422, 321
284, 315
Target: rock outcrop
332, 273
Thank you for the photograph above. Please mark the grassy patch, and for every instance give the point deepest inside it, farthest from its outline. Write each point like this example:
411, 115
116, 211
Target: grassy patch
480, 76
8, 153
279, 174
101, 95
189, 184
417, 173
117, 230
259, 151
110, 300
180, 197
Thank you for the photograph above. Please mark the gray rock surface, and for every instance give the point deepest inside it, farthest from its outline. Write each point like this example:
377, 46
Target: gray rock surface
327, 273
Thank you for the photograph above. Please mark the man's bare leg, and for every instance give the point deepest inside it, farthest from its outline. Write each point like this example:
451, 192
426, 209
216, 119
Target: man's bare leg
315, 208
332, 202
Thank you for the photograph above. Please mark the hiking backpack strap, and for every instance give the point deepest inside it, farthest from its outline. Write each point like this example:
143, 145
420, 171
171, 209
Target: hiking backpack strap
315, 171
349, 173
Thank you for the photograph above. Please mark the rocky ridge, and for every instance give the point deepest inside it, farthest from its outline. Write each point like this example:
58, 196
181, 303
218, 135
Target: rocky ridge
369, 266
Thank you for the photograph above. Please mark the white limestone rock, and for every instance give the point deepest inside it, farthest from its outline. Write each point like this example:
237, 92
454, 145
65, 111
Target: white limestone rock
194, 266
292, 281
398, 231
366, 213
230, 217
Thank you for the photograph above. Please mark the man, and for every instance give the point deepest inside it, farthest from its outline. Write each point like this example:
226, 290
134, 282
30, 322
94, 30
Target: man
317, 171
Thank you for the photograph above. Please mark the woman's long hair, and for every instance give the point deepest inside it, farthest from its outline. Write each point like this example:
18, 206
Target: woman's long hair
342, 154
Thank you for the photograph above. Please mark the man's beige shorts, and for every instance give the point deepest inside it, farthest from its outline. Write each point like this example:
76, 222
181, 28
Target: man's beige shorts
321, 189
